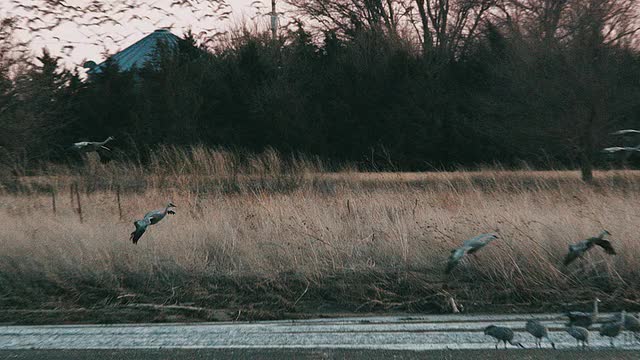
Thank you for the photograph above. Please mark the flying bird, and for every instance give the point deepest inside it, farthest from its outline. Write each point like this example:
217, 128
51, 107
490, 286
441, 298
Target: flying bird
616, 149
625, 132
579, 249
150, 218
85, 147
468, 247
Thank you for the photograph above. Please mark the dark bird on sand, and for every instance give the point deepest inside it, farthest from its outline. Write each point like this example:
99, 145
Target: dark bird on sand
613, 329
502, 334
580, 334
579, 249
632, 324
150, 218
539, 331
583, 319
470, 246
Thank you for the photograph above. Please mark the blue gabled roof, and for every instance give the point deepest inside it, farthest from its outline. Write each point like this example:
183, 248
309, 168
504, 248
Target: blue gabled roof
136, 55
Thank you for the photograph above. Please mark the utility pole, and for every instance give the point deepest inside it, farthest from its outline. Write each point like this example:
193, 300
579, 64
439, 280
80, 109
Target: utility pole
274, 20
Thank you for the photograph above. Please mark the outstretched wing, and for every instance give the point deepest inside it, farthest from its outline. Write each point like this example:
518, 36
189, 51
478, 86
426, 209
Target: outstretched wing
626, 132
606, 245
478, 242
141, 227
615, 149
155, 216
571, 256
454, 258
104, 154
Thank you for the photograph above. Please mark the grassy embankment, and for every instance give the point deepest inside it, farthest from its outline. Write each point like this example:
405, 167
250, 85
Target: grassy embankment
264, 238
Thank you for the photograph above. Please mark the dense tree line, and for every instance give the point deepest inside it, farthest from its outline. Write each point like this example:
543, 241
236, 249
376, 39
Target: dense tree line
539, 81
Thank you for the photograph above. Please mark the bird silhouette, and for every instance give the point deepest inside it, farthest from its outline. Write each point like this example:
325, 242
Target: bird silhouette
579, 249
470, 246
580, 334
502, 334
583, 319
613, 329
150, 218
538, 331
85, 147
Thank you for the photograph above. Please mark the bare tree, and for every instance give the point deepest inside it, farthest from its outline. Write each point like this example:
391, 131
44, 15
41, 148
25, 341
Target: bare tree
449, 26
347, 16
583, 39
444, 27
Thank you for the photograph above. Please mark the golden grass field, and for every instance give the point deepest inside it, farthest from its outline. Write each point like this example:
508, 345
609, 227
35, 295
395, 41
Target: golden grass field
262, 237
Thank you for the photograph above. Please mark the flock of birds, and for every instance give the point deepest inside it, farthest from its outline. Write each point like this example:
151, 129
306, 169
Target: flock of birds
579, 322
578, 327
576, 250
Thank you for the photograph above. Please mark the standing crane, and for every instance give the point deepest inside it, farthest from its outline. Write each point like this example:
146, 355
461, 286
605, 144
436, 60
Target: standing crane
470, 246
539, 331
613, 329
579, 249
150, 218
631, 324
583, 319
502, 334
580, 334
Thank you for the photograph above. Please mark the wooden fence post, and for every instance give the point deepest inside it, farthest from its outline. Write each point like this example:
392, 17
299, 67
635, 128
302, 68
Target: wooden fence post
79, 204
53, 200
118, 199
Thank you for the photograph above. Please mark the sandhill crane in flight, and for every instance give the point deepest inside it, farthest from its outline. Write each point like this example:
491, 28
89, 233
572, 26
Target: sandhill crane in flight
583, 319
626, 132
616, 149
579, 249
150, 218
626, 149
580, 334
502, 334
539, 331
85, 147
468, 247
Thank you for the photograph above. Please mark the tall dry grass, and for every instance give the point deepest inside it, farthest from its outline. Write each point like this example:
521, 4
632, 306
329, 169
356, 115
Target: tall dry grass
271, 236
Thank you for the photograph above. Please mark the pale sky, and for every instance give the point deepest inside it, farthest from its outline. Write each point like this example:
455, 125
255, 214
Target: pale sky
75, 44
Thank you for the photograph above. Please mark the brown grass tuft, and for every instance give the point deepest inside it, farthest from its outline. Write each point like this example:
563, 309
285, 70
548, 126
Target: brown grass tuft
266, 237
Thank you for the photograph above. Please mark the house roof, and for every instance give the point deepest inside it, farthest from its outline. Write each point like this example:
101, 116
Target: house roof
136, 55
